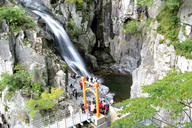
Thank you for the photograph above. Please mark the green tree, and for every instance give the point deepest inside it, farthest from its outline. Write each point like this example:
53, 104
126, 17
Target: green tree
46, 101
172, 93
21, 79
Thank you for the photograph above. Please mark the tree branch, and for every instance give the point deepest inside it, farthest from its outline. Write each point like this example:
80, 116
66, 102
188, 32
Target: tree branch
184, 104
187, 114
163, 121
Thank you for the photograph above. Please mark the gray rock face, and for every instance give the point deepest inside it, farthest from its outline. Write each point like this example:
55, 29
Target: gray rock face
157, 59
155, 9
185, 12
31, 35
7, 58
126, 53
59, 79
4, 27
88, 41
92, 59
123, 50
81, 20
30, 59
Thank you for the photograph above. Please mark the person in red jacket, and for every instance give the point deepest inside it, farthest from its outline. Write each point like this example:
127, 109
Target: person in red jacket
100, 104
81, 84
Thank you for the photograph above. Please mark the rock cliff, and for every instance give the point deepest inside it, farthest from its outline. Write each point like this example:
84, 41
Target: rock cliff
97, 30
29, 48
158, 58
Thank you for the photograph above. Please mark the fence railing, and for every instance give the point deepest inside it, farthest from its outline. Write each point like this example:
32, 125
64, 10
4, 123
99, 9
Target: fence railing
61, 120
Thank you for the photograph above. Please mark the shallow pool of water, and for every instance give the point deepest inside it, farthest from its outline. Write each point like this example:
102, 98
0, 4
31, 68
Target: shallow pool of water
118, 84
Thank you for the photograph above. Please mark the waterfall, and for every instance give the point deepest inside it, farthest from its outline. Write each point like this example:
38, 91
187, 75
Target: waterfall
65, 46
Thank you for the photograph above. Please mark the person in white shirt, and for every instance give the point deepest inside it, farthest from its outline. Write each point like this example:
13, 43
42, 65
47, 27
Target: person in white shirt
71, 110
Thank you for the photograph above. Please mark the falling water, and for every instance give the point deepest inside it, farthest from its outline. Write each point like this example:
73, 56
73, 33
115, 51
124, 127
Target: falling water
65, 46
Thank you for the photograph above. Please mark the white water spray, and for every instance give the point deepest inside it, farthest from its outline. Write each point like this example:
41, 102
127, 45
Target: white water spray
66, 48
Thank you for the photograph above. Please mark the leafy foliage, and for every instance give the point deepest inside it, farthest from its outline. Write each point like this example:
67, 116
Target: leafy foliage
74, 1
46, 101
147, 25
172, 93
169, 27
73, 31
17, 18
55, 5
21, 79
149, 3
132, 27
173, 3
59, 12
161, 41
184, 48
85, 6
22, 116
169, 22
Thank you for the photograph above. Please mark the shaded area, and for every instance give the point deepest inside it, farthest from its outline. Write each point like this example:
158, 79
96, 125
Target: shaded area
118, 84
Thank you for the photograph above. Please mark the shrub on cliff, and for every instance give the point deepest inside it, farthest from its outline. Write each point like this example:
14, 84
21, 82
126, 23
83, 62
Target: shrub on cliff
17, 18
133, 27
169, 23
21, 79
45, 102
170, 3
184, 48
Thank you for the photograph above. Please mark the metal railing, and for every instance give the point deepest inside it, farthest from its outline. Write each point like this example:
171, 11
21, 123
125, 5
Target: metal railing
61, 120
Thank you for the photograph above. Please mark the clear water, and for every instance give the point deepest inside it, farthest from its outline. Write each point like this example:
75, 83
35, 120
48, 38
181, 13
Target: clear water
118, 84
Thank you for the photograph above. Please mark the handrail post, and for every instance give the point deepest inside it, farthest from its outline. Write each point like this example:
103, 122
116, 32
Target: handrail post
65, 122
57, 119
73, 121
98, 114
49, 121
83, 79
80, 116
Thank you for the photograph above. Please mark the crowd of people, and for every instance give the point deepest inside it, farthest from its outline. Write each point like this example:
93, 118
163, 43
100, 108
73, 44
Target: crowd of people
92, 79
103, 106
